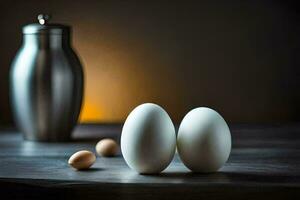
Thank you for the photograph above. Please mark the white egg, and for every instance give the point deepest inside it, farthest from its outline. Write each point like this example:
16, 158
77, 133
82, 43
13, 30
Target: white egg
204, 140
148, 139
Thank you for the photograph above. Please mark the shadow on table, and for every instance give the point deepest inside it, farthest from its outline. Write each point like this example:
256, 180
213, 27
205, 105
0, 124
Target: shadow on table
234, 177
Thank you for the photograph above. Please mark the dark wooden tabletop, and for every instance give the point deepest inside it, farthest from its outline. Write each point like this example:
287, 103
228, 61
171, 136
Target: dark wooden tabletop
264, 163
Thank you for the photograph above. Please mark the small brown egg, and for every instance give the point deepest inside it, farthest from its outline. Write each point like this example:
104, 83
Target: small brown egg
82, 160
107, 148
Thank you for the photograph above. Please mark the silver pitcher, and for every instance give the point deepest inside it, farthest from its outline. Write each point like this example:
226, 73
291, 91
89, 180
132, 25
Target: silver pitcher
46, 82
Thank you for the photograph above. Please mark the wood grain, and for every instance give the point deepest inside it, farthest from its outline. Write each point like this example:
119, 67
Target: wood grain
264, 163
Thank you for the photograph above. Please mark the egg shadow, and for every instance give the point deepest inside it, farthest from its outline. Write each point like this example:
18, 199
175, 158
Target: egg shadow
193, 176
92, 169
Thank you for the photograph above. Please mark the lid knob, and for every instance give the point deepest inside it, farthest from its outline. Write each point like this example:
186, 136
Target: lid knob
43, 18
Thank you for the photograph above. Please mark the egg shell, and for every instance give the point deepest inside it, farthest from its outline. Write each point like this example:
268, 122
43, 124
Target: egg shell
107, 148
82, 160
203, 140
148, 139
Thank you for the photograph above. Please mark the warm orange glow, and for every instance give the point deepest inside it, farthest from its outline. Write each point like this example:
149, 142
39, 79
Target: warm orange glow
90, 112
121, 73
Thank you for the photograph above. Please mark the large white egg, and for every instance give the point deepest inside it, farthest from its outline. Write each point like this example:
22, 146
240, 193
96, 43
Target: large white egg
204, 140
148, 139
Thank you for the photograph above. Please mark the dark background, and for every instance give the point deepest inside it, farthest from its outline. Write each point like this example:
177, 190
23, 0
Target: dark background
238, 57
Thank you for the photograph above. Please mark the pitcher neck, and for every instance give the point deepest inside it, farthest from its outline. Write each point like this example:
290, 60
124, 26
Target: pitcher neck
46, 41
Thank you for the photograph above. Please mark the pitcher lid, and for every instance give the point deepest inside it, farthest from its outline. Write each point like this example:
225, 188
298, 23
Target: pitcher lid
44, 27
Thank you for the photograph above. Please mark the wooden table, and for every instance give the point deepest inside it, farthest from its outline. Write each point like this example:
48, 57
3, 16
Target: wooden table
264, 163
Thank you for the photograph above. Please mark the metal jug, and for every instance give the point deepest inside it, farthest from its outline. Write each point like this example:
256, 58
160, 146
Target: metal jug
46, 82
